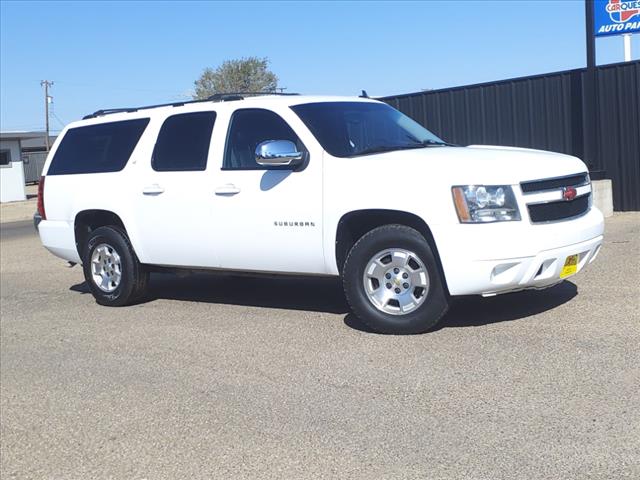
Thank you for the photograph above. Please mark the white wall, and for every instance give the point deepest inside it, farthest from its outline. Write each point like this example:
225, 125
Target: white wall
12, 176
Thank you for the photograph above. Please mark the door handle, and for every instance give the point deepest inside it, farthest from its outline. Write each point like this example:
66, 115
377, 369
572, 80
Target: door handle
154, 189
228, 189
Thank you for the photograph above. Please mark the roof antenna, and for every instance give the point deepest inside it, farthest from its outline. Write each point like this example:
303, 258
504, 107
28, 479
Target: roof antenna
364, 94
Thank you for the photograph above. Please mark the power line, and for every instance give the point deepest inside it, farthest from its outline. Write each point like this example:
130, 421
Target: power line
52, 111
53, 114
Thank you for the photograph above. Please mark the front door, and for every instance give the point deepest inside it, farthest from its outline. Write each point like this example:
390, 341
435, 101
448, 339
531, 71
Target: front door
268, 219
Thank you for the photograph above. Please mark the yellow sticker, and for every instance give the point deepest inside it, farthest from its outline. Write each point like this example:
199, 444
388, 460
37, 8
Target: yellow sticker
570, 266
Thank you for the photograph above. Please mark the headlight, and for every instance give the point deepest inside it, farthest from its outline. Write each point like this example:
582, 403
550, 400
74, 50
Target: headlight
483, 203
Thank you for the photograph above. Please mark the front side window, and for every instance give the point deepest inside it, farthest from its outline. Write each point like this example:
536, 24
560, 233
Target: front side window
183, 142
250, 127
101, 148
349, 129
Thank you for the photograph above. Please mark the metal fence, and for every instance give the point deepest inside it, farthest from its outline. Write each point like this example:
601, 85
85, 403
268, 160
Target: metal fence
33, 164
594, 115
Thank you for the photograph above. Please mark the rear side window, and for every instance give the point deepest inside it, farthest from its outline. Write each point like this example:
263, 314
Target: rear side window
97, 148
183, 142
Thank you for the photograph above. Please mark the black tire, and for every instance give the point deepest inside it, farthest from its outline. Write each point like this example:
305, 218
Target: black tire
134, 277
435, 303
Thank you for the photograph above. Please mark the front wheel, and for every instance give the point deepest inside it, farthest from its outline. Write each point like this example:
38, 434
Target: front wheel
392, 282
111, 268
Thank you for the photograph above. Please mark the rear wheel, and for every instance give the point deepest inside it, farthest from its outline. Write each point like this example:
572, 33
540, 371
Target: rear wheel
392, 282
111, 268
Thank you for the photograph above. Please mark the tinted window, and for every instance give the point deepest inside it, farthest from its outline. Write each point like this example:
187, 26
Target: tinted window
97, 148
183, 142
347, 129
5, 157
249, 127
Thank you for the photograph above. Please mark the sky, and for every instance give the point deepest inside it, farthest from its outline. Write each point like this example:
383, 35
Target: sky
122, 54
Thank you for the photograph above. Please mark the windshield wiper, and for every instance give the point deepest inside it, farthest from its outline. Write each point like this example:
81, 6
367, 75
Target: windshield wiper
389, 148
430, 143
407, 146
437, 143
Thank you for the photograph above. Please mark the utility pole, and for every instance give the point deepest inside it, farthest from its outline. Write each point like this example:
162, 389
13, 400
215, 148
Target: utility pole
591, 38
627, 47
589, 93
46, 84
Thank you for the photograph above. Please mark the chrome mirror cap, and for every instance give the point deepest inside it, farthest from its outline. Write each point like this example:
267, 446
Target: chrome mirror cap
278, 153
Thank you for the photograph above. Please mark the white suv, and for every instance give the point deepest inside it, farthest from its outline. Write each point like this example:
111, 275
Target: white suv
288, 184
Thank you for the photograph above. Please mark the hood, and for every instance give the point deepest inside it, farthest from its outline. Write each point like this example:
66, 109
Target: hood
476, 164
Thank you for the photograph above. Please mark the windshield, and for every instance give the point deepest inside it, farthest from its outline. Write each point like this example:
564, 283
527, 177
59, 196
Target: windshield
348, 129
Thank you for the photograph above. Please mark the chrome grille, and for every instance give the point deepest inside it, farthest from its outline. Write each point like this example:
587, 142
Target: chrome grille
547, 184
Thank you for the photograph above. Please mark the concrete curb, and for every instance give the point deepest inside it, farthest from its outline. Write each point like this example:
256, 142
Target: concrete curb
603, 196
18, 211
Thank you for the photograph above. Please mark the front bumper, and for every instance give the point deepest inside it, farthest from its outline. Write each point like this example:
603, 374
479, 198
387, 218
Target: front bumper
509, 258
540, 271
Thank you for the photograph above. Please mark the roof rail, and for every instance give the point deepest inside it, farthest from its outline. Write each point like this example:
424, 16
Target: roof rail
218, 97
109, 111
229, 96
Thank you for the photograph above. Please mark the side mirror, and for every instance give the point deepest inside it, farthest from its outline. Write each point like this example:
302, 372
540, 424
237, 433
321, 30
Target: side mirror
278, 153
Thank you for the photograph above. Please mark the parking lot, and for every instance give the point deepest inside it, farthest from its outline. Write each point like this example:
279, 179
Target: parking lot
234, 377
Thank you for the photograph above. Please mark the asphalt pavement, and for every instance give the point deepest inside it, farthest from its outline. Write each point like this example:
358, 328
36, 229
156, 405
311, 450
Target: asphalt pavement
219, 376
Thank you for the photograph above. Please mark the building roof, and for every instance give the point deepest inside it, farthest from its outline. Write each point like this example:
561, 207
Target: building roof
20, 135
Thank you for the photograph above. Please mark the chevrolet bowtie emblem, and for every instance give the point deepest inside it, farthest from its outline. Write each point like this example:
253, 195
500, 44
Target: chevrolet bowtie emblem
569, 193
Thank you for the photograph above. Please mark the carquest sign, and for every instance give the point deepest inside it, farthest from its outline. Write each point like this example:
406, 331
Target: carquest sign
616, 17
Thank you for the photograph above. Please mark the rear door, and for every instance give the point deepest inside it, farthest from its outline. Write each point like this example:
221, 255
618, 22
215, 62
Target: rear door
173, 194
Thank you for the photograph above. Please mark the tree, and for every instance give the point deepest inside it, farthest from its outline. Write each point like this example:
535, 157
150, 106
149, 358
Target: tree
249, 74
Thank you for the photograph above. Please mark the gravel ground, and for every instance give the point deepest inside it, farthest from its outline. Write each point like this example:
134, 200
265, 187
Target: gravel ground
231, 377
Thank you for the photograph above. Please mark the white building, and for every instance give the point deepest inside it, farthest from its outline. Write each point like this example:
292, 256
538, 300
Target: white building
12, 174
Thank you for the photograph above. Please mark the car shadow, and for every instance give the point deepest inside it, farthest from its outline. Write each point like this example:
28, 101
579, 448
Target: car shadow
324, 294
317, 294
476, 311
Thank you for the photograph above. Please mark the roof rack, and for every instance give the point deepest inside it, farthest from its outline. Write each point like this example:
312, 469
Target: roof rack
228, 96
218, 97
